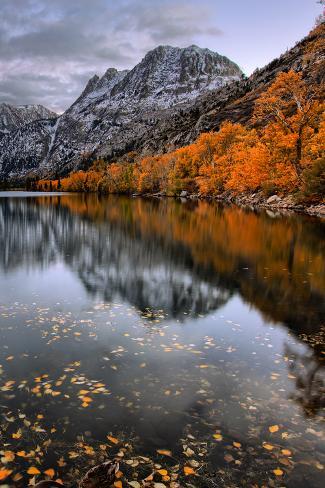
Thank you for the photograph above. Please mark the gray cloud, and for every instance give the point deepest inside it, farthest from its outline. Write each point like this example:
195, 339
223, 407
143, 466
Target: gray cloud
49, 48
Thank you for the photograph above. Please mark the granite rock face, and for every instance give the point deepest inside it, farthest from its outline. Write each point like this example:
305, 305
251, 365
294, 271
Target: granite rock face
115, 112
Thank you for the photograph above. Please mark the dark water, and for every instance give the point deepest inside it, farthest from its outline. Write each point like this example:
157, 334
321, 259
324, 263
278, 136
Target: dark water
183, 326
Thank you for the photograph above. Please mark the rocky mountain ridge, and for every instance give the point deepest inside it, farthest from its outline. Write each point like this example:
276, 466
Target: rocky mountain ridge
120, 104
12, 117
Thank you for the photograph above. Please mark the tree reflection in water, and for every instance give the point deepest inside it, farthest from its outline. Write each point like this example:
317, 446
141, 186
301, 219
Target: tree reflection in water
308, 370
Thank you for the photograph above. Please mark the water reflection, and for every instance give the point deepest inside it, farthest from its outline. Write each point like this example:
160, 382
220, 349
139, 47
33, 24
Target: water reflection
194, 317
172, 256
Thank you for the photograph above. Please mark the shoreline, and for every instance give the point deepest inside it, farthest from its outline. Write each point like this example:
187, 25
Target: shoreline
253, 201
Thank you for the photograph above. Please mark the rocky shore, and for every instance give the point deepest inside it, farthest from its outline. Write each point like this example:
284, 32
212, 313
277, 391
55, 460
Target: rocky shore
258, 200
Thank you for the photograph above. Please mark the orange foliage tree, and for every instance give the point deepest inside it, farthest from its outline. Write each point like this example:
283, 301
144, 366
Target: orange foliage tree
291, 108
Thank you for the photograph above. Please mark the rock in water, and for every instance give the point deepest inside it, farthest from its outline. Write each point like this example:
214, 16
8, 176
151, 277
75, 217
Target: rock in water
101, 476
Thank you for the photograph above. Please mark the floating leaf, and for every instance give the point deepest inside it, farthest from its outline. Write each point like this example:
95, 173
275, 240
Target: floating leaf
218, 437
4, 473
112, 439
267, 446
9, 456
21, 453
17, 477
286, 452
87, 399
17, 435
164, 452
278, 472
50, 472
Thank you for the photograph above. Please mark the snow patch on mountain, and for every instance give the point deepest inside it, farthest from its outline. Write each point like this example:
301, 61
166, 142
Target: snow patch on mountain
12, 117
113, 113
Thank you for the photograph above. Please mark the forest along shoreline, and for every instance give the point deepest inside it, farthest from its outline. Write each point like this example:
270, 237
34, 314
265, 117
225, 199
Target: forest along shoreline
276, 162
279, 204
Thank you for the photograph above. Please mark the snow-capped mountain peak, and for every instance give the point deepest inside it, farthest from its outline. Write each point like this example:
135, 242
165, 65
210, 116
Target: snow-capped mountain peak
116, 110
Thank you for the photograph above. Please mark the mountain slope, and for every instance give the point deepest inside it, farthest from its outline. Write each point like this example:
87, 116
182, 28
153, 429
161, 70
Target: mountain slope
119, 106
11, 117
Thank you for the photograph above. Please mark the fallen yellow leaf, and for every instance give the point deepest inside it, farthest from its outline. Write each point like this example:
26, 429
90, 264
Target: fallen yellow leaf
278, 472
112, 439
9, 456
118, 484
218, 437
86, 399
286, 452
21, 453
164, 452
17, 435
163, 472
50, 472
188, 470
33, 470
4, 473
267, 446
273, 428
17, 477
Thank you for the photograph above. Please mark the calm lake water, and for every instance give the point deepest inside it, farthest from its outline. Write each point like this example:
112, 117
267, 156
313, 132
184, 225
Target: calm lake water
181, 326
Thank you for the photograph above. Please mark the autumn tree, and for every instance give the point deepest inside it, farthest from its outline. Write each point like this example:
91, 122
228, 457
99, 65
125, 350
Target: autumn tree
215, 152
291, 107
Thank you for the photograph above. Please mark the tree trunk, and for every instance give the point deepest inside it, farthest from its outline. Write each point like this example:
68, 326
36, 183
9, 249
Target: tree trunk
297, 161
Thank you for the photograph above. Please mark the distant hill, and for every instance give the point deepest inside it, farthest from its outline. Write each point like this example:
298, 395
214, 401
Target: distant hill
12, 117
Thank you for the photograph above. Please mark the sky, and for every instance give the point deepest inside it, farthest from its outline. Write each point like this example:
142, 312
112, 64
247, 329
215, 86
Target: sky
50, 48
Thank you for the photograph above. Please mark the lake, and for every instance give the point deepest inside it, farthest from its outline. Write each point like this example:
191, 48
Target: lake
167, 333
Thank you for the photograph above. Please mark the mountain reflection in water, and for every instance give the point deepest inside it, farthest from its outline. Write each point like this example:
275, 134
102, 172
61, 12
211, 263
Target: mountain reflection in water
231, 304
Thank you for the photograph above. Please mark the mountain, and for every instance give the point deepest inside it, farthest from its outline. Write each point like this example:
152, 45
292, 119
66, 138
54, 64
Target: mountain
120, 106
164, 102
11, 117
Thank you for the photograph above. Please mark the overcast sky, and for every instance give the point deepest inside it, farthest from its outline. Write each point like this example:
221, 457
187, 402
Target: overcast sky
50, 48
